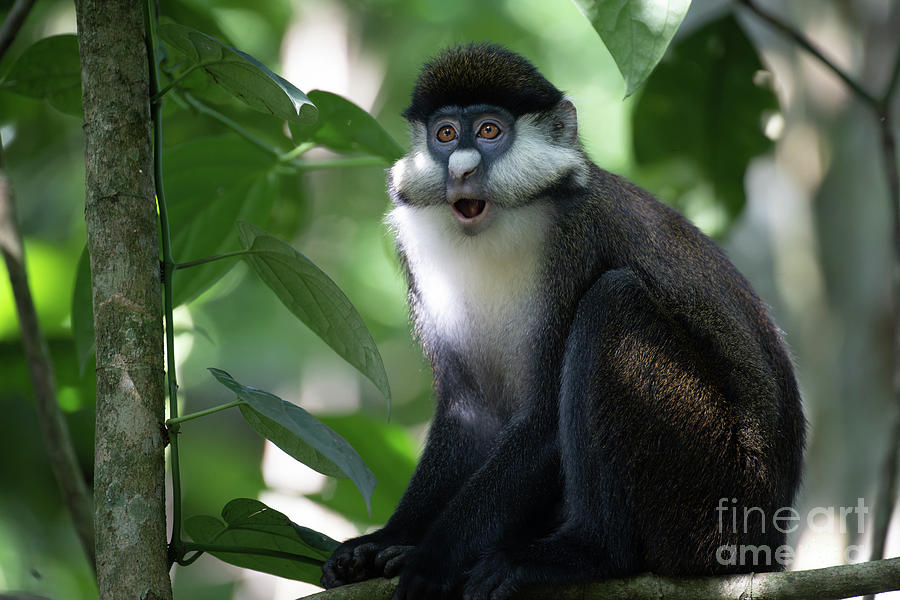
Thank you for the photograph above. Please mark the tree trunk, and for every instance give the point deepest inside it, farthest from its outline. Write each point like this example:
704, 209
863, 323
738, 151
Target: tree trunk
120, 212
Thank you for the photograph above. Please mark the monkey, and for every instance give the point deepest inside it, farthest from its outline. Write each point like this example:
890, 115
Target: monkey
606, 380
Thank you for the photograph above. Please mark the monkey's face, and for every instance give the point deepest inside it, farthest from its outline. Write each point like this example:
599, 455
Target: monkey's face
475, 162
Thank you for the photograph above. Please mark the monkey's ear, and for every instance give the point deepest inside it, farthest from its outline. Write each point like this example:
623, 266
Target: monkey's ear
565, 123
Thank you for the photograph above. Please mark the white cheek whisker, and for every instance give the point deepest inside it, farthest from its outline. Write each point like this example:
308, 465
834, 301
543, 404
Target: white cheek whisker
532, 163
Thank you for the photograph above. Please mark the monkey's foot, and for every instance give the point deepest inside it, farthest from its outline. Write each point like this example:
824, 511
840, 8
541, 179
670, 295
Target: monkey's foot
494, 577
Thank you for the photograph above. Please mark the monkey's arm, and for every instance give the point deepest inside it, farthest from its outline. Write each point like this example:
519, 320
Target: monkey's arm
457, 445
521, 473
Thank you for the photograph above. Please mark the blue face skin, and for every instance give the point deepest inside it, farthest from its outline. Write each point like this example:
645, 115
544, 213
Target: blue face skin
466, 141
488, 129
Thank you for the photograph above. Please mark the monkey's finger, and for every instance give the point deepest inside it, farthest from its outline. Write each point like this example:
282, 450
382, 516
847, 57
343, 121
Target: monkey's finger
391, 560
359, 563
330, 578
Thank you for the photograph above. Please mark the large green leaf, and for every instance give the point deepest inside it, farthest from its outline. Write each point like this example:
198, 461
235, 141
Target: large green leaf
242, 75
345, 127
250, 524
83, 312
316, 300
702, 107
636, 32
51, 69
211, 183
300, 434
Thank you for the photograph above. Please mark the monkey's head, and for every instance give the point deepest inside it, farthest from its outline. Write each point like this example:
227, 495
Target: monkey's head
489, 133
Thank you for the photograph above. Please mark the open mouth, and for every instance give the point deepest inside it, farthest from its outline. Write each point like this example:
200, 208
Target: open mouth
468, 210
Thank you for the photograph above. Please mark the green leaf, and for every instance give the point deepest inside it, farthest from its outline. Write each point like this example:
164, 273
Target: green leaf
50, 69
703, 107
636, 32
242, 75
250, 524
185, 11
83, 312
300, 434
211, 183
316, 300
247, 513
345, 127
391, 452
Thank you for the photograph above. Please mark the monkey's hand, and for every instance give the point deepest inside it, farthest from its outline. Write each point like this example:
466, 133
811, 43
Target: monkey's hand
363, 558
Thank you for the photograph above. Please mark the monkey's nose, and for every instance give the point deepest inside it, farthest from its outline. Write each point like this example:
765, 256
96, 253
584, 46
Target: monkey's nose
463, 163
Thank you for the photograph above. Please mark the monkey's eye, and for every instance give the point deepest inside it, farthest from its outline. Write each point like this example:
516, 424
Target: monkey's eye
446, 134
489, 131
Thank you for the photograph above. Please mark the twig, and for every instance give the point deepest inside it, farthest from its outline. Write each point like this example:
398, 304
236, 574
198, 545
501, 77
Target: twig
13, 23
830, 583
56, 434
801, 41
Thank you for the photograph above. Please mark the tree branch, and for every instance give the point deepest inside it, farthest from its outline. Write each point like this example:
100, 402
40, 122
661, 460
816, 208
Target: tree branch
121, 222
830, 583
62, 456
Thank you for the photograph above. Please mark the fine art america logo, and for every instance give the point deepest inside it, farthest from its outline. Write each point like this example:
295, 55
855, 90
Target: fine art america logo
740, 520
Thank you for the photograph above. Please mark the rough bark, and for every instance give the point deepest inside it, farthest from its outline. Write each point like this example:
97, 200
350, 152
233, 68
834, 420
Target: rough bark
831, 583
120, 212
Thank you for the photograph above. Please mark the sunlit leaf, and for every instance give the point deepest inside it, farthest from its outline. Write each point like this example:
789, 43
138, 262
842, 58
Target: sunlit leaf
83, 312
250, 524
50, 69
316, 300
300, 434
345, 127
636, 32
242, 75
703, 105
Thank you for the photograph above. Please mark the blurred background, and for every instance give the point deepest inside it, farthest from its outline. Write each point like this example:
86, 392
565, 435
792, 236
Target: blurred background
812, 231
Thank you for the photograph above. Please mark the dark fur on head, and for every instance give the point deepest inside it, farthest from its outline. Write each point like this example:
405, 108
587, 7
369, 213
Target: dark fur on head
480, 73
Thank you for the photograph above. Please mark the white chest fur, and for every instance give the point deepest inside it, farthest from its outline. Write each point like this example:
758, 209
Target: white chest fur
476, 291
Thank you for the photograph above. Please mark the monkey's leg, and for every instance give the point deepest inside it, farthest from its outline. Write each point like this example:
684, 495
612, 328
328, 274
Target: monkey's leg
457, 445
646, 450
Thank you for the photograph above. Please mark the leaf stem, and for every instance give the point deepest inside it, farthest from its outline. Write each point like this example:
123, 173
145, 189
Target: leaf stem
189, 560
209, 259
176, 545
203, 413
200, 547
297, 152
159, 95
231, 124
337, 163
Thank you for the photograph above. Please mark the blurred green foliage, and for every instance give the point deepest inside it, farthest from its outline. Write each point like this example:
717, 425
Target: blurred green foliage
334, 217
